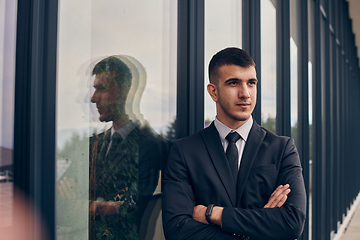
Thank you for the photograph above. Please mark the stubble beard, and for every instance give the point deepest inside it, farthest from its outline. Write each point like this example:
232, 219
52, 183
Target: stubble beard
225, 106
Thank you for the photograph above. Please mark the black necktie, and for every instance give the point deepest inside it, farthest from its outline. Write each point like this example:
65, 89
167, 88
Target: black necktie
232, 153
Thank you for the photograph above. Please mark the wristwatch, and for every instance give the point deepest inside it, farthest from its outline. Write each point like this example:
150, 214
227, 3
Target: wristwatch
208, 213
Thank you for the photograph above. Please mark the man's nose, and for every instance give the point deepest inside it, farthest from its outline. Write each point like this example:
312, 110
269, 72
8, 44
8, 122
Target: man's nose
94, 97
244, 92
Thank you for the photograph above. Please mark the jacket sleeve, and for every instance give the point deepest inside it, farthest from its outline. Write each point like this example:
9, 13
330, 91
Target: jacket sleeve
286, 222
179, 202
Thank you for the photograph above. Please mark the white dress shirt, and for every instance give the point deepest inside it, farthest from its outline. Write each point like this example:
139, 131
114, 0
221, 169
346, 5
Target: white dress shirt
243, 131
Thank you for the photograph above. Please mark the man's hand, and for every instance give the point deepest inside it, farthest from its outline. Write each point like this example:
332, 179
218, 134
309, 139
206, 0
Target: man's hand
278, 197
199, 214
104, 208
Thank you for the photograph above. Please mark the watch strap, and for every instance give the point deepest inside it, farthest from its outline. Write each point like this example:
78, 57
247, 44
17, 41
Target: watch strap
208, 212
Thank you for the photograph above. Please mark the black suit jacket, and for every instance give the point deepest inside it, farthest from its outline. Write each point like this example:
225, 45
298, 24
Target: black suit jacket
198, 173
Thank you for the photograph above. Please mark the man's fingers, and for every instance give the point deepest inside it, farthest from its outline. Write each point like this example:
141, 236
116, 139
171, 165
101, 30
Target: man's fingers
274, 196
278, 197
282, 201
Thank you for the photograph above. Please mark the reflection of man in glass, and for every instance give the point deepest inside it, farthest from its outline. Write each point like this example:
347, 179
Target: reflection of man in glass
125, 160
112, 84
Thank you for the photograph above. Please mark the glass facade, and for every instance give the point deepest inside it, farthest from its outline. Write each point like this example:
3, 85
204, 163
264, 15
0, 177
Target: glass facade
8, 16
268, 64
127, 84
222, 29
116, 110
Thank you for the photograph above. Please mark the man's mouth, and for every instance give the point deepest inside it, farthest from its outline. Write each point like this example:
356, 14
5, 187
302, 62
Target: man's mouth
243, 104
99, 109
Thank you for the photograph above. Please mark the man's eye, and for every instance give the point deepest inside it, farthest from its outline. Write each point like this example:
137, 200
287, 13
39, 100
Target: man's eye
101, 87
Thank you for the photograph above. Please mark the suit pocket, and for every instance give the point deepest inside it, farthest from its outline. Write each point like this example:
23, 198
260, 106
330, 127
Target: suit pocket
263, 168
260, 184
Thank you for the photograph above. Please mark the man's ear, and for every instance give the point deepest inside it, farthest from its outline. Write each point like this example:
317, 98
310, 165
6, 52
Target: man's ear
212, 90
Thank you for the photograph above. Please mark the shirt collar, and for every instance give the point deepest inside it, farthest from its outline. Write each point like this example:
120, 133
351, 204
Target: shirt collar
125, 130
243, 130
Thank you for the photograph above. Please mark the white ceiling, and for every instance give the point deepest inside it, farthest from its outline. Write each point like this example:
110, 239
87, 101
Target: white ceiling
354, 9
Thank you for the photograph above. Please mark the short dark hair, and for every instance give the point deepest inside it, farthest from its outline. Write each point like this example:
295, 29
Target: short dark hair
228, 56
119, 71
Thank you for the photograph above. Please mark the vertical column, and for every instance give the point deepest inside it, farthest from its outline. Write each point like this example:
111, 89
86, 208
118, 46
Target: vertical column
190, 97
303, 99
335, 112
317, 178
283, 126
326, 160
342, 204
35, 91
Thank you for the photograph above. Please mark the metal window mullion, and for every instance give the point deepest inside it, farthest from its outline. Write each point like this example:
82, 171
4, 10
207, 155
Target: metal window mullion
35, 106
339, 132
327, 163
283, 124
334, 133
342, 113
335, 115
303, 99
317, 200
190, 70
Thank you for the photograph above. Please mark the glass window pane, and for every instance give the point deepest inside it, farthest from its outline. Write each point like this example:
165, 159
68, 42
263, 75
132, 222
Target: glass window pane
8, 15
293, 71
222, 29
268, 64
116, 110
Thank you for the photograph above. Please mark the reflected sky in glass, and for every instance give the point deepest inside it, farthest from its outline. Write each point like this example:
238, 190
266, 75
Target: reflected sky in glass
293, 82
293, 71
91, 31
268, 60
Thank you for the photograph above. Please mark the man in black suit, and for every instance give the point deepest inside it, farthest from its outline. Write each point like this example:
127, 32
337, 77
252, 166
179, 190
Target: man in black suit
232, 180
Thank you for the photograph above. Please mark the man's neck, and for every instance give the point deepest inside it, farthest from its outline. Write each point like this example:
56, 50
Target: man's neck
121, 122
233, 124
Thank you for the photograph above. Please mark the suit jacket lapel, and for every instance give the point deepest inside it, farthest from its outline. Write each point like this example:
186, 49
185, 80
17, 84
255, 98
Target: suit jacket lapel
213, 144
254, 141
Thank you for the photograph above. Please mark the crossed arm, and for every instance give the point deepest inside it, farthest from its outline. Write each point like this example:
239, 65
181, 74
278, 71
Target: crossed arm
277, 199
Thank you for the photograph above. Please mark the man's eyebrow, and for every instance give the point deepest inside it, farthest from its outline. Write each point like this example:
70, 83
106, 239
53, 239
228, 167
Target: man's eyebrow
232, 79
237, 79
